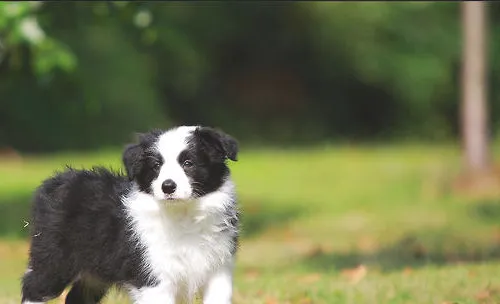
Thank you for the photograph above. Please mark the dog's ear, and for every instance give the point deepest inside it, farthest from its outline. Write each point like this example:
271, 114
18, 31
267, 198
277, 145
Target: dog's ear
133, 153
131, 159
219, 145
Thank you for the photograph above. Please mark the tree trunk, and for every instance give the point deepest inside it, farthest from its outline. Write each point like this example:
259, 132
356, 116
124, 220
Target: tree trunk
474, 108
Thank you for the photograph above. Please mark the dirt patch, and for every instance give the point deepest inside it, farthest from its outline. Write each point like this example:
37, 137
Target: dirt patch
478, 185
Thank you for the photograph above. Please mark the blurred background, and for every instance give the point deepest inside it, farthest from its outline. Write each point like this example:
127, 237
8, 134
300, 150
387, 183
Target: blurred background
368, 131
83, 76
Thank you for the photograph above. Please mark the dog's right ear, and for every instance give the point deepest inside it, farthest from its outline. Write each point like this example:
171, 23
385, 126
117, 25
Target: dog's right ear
131, 159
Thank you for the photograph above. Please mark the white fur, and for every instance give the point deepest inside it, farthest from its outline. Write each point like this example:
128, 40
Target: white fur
163, 294
186, 245
170, 145
219, 288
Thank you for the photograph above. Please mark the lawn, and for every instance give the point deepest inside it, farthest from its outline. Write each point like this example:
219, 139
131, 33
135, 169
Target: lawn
333, 224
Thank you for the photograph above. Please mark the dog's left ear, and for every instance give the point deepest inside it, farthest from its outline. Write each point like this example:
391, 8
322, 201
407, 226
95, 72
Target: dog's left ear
131, 159
218, 144
133, 153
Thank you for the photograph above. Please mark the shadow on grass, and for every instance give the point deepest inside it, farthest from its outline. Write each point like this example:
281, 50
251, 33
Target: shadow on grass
410, 251
487, 211
423, 247
256, 216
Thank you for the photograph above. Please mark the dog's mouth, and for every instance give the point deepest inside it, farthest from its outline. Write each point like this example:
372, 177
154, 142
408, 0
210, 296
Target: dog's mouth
170, 198
173, 199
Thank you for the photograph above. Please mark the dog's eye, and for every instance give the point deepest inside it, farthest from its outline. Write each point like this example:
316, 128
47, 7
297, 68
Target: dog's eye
187, 164
156, 166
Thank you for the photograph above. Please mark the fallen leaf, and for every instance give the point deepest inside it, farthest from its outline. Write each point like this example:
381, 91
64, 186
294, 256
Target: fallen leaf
483, 295
327, 248
253, 208
289, 234
315, 251
304, 301
487, 294
496, 235
252, 274
367, 244
356, 274
310, 278
407, 271
271, 300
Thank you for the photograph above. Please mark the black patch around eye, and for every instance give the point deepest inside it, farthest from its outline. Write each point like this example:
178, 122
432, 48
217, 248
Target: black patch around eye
156, 166
186, 157
205, 175
183, 156
150, 169
187, 164
137, 160
154, 161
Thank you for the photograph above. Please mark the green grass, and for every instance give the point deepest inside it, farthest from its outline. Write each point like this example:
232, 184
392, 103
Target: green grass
311, 216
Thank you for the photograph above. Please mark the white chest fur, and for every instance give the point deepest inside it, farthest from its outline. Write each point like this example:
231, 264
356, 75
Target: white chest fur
185, 242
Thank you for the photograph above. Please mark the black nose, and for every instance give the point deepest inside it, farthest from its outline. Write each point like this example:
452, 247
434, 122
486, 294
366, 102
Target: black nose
168, 186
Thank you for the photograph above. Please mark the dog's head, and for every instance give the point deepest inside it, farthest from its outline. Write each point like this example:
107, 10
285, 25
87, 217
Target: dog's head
180, 164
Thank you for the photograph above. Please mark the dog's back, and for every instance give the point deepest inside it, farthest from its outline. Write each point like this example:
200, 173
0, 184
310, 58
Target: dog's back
75, 215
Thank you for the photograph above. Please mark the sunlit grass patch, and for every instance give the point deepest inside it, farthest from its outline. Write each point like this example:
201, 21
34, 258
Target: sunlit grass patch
372, 224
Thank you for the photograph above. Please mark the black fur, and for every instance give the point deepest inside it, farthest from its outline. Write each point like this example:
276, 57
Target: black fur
75, 215
80, 231
140, 159
208, 149
217, 144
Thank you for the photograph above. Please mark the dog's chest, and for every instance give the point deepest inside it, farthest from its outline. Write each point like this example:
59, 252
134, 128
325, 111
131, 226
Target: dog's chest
184, 248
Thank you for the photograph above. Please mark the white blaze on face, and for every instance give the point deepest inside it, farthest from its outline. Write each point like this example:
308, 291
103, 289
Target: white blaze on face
170, 145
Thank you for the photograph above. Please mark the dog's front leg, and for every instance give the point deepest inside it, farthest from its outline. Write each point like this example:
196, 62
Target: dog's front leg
219, 288
163, 293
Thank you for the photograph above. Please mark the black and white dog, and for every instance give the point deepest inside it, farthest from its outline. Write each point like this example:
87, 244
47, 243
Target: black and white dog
165, 232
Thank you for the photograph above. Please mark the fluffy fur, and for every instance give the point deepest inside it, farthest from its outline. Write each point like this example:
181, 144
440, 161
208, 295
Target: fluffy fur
165, 231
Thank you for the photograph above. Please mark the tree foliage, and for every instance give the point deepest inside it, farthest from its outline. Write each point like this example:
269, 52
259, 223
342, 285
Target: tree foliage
19, 26
84, 75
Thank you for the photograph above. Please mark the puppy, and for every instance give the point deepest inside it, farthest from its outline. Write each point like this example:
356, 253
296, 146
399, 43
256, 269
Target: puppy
165, 232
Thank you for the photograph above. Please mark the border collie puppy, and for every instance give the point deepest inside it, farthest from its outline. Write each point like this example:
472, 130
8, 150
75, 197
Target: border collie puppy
165, 232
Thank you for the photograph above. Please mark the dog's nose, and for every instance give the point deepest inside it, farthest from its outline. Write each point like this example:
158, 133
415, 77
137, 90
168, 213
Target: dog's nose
168, 186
